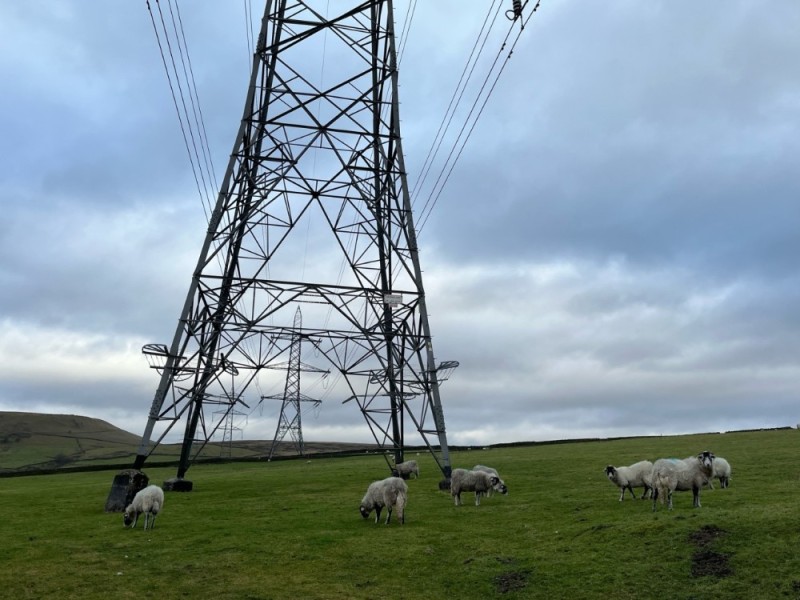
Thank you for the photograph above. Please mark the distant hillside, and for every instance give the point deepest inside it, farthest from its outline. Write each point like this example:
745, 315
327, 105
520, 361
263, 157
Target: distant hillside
31, 442
40, 441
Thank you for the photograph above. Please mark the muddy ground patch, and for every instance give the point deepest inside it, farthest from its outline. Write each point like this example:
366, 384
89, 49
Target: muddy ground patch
707, 562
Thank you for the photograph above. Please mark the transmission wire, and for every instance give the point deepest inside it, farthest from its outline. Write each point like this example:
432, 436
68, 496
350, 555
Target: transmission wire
183, 101
177, 109
199, 114
430, 204
455, 98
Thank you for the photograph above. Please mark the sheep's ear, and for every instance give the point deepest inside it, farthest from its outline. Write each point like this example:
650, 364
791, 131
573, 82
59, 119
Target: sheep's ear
494, 480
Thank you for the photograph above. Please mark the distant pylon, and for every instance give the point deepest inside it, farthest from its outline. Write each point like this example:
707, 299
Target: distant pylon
290, 420
317, 167
228, 430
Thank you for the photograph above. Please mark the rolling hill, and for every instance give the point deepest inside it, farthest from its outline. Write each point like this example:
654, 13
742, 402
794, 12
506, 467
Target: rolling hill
34, 442
42, 441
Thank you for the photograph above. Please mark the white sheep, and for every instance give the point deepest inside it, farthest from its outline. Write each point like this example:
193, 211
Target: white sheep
491, 471
149, 501
391, 493
722, 471
406, 469
670, 475
635, 476
479, 482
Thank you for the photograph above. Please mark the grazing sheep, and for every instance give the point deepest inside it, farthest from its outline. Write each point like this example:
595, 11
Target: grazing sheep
634, 476
491, 471
479, 482
406, 469
722, 471
391, 492
149, 501
671, 475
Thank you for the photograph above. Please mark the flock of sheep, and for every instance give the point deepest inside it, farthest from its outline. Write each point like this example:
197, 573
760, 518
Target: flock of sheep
392, 493
660, 480
668, 475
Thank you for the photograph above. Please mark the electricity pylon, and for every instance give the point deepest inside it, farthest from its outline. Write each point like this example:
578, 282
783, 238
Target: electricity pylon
291, 418
316, 168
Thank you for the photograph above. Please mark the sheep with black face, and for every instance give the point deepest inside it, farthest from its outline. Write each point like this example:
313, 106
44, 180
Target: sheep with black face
634, 476
479, 482
673, 475
390, 493
149, 502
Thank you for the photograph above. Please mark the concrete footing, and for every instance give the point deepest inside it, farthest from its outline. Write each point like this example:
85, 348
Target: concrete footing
124, 487
177, 484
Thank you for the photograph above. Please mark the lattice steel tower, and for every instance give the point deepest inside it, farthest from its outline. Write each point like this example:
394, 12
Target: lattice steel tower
316, 170
291, 418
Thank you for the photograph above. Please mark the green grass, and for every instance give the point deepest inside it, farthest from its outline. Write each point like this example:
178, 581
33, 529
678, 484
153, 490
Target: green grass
291, 529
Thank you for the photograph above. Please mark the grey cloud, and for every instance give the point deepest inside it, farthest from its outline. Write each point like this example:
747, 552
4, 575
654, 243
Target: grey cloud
616, 246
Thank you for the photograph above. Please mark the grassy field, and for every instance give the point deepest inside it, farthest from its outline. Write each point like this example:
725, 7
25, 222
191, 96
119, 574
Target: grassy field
291, 529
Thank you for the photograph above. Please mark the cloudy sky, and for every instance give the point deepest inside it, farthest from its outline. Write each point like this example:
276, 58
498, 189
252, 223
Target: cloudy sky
615, 252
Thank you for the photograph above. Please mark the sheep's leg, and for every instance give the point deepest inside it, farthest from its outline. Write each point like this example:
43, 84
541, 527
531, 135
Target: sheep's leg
135, 519
477, 498
457, 498
669, 500
388, 514
621, 493
377, 514
696, 496
654, 496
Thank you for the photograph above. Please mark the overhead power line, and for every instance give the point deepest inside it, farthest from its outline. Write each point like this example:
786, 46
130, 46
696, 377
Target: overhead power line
475, 112
191, 122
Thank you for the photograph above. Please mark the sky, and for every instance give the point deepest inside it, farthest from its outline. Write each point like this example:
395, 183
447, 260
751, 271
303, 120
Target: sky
615, 252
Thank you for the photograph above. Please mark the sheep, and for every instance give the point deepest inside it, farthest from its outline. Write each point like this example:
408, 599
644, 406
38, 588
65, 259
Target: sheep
634, 476
722, 470
479, 482
671, 475
391, 492
149, 501
491, 471
406, 469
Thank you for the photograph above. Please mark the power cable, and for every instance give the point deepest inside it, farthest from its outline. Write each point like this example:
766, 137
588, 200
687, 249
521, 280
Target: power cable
196, 103
432, 199
183, 101
455, 99
177, 109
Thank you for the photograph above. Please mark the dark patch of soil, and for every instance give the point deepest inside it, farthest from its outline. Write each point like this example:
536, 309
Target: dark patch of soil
705, 535
511, 581
707, 562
